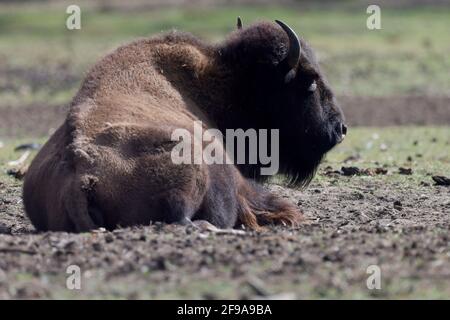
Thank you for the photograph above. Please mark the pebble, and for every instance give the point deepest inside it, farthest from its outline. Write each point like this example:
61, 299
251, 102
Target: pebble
441, 180
406, 171
398, 205
350, 171
5, 229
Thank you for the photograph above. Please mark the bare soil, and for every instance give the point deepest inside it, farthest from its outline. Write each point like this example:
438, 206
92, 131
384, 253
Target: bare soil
354, 222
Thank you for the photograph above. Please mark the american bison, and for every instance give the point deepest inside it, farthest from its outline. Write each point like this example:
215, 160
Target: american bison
109, 164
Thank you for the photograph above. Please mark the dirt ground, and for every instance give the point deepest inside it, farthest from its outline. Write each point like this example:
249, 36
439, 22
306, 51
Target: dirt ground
354, 222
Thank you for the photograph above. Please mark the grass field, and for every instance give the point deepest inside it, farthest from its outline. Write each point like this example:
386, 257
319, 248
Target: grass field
43, 62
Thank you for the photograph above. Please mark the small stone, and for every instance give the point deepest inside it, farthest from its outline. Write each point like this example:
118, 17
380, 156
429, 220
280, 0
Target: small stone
350, 171
358, 195
398, 205
97, 246
5, 229
405, 171
18, 173
380, 170
109, 238
441, 180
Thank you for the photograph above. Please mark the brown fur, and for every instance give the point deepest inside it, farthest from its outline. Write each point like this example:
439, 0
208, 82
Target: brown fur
109, 164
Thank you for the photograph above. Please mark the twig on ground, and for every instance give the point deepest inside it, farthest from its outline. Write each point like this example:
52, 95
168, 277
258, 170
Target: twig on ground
21, 160
17, 250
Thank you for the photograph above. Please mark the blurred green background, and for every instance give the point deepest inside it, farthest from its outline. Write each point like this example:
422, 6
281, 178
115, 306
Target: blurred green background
43, 62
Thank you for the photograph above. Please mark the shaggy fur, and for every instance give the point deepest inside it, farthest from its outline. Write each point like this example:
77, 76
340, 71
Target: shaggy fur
109, 164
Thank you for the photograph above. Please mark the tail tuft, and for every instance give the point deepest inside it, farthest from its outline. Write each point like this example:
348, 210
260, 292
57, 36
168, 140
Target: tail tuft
258, 209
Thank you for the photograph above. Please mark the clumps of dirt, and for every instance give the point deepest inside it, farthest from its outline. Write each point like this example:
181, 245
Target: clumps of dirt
405, 171
12, 216
17, 173
4, 229
401, 229
398, 205
441, 180
350, 171
355, 171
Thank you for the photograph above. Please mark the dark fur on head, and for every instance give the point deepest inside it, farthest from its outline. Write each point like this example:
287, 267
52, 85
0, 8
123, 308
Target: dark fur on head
310, 123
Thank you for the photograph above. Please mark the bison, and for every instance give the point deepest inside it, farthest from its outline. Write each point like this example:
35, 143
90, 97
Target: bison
109, 164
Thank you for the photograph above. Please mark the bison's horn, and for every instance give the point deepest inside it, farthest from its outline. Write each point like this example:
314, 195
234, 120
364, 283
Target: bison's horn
239, 23
294, 45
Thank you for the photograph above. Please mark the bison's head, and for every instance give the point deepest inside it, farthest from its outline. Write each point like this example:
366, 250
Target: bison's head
281, 87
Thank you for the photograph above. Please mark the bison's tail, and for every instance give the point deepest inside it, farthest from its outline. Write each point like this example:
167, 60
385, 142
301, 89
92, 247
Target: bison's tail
259, 208
77, 204
62, 204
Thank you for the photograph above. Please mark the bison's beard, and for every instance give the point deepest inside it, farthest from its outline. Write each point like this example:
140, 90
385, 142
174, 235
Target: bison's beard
300, 170
296, 167
298, 159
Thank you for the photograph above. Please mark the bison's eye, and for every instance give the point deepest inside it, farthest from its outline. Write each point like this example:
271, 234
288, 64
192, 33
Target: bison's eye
313, 86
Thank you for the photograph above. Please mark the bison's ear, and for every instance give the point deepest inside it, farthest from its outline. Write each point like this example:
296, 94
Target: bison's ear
294, 52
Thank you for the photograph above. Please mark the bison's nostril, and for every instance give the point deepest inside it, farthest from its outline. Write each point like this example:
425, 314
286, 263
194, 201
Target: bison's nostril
344, 129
